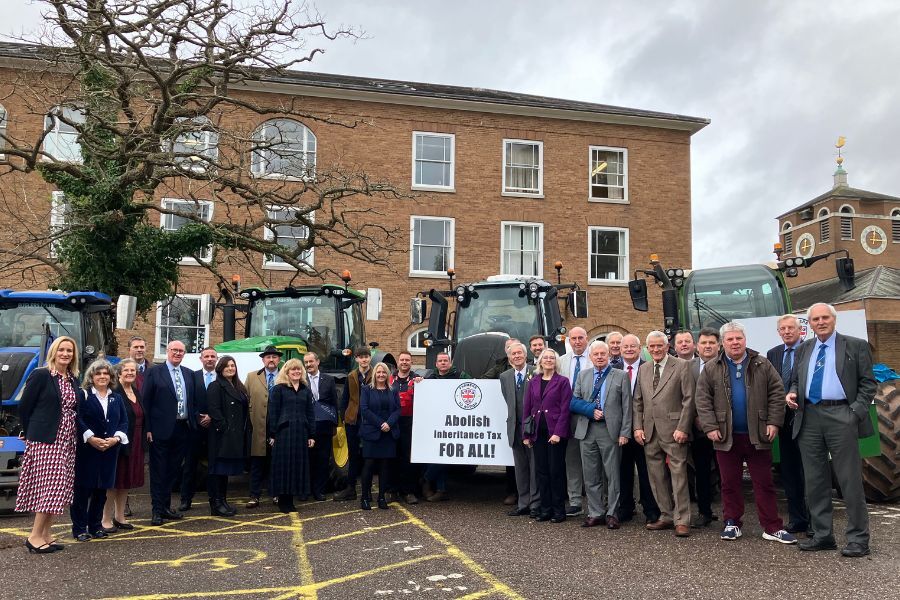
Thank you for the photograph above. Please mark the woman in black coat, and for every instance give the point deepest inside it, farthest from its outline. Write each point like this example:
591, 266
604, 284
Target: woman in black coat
227, 406
379, 406
291, 426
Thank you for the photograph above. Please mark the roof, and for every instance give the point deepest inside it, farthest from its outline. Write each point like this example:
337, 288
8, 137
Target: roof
877, 282
426, 93
845, 192
73, 298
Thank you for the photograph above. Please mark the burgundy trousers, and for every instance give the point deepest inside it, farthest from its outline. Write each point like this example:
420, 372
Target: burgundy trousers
731, 470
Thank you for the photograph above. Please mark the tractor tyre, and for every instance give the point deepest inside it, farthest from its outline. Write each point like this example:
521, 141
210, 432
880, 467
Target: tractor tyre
881, 474
339, 465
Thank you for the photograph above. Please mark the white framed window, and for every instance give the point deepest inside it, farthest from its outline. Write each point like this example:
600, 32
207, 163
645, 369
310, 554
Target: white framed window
431, 246
59, 218
61, 141
788, 244
415, 343
284, 148
846, 222
4, 120
522, 248
182, 317
197, 147
824, 225
895, 226
433, 161
173, 222
607, 255
608, 174
523, 168
284, 230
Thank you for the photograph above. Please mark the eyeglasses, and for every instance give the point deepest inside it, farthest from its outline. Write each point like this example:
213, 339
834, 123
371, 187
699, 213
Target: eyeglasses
173, 351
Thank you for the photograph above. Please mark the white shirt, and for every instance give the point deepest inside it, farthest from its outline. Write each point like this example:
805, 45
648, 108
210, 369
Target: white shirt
104, 404
585, 364
634, 370
314, 385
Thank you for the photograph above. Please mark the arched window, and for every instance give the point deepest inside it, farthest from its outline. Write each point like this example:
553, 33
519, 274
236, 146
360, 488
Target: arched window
62, 124
3, 121
895, 225
846, 223
788, 243
283, 148
415, 343
198, 145
824, 226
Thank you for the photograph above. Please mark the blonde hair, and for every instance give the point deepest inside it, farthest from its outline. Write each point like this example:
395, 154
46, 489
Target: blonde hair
101, 364
552, 352
74, 371
294, 363
387, 369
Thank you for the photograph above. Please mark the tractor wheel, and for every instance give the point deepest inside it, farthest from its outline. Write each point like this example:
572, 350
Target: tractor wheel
340, 459
881, 474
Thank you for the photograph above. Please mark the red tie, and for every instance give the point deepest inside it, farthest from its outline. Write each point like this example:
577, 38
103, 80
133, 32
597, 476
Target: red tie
631, 376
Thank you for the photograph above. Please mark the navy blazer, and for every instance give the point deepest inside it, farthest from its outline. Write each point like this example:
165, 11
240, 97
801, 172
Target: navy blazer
161, 404
377, 407
95, 468
41, 405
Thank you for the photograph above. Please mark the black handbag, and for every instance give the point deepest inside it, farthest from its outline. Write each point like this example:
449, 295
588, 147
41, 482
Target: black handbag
325, 413
528, 426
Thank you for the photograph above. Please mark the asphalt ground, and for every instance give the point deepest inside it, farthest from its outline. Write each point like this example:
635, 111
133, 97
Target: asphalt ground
464, 548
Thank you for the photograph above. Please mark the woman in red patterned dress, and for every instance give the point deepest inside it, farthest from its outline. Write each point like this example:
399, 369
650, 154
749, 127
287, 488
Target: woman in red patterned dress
47, 413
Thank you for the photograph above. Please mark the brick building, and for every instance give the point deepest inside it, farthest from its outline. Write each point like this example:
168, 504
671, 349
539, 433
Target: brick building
504, 183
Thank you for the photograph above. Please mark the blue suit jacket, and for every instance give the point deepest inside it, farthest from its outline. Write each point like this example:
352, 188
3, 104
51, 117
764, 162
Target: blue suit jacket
161, 403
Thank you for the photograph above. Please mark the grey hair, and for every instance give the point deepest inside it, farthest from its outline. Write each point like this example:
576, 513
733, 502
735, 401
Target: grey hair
612, 333
555, 356
830, 309
657, 334
598, 344
732, 326
101, 364
519, 344
784, 318
631, 335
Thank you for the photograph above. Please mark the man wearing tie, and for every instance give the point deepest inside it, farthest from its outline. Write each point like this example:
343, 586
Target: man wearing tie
663, 419
512, 384
602, 402
169, 417
702, 451
198, 439
783, 356
614, 341
259, 384
570, 365
832, 387
137, 351
632, 452
324, 391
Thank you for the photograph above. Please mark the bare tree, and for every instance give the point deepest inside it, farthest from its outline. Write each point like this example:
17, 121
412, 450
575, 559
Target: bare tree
134, 100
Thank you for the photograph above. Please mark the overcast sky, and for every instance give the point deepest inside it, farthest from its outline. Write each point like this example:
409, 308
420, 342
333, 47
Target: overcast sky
779, 80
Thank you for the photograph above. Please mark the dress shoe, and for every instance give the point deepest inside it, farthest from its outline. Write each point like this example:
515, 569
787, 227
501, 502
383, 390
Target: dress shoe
682, 531
287, 508
365, 504
184, 506
592, 522
814, 545
659, 525
217, 509
534, 514
56, 545
83, 537
702, 520
797, 527
438, 496
427, 490
612, 522
123, 526
558, 519
156, 520
542, 518
42, 549
99, 534
518, 512
170, 514
348, 493
318, 497
110, 530
573, 510
855, 550
510, 500
252, 503
382, 504
411, 499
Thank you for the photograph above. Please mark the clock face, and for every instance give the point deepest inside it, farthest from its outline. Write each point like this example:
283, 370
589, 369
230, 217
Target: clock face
873, 239
806, 245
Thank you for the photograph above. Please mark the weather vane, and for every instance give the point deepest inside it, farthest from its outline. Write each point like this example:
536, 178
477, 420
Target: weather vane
840, 144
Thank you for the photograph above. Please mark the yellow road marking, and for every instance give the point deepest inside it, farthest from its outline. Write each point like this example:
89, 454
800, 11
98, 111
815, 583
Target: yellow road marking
355, 533
303, 564
219, 560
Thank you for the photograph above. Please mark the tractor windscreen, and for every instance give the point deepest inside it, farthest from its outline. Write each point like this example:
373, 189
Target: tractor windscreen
311, 318
499, 309
715, 296
22, 324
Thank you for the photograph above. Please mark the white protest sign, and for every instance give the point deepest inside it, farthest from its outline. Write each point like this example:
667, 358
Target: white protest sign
762, 332
460, 422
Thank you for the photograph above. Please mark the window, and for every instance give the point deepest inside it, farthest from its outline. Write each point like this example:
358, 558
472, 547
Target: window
607, 176
607, 255
846, 223
284, 148
183, 318
285, 231
522, 247
188, 208
59, 219
523, 168
431, 246
433, 156
61, 141
197, 146
824, 225
895, 226
415, 343
788, 244
3, 122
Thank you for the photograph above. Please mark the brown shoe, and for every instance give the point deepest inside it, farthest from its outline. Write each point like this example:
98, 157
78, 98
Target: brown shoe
659, 525
612, 522
510, 500
682, 531
438, 496
592, 522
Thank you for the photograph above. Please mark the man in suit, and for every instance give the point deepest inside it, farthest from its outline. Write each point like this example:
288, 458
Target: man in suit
536, 345
601, 403
702, 451
512, 384
684, 345
259, 384
783, 357
197, 443
633, 453
739, 405
169, 417
614, 341
570, 365
663, 418
324, 391
137, 351
831, 389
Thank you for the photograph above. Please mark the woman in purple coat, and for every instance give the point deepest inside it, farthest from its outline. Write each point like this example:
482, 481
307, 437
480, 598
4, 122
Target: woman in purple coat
546, 429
